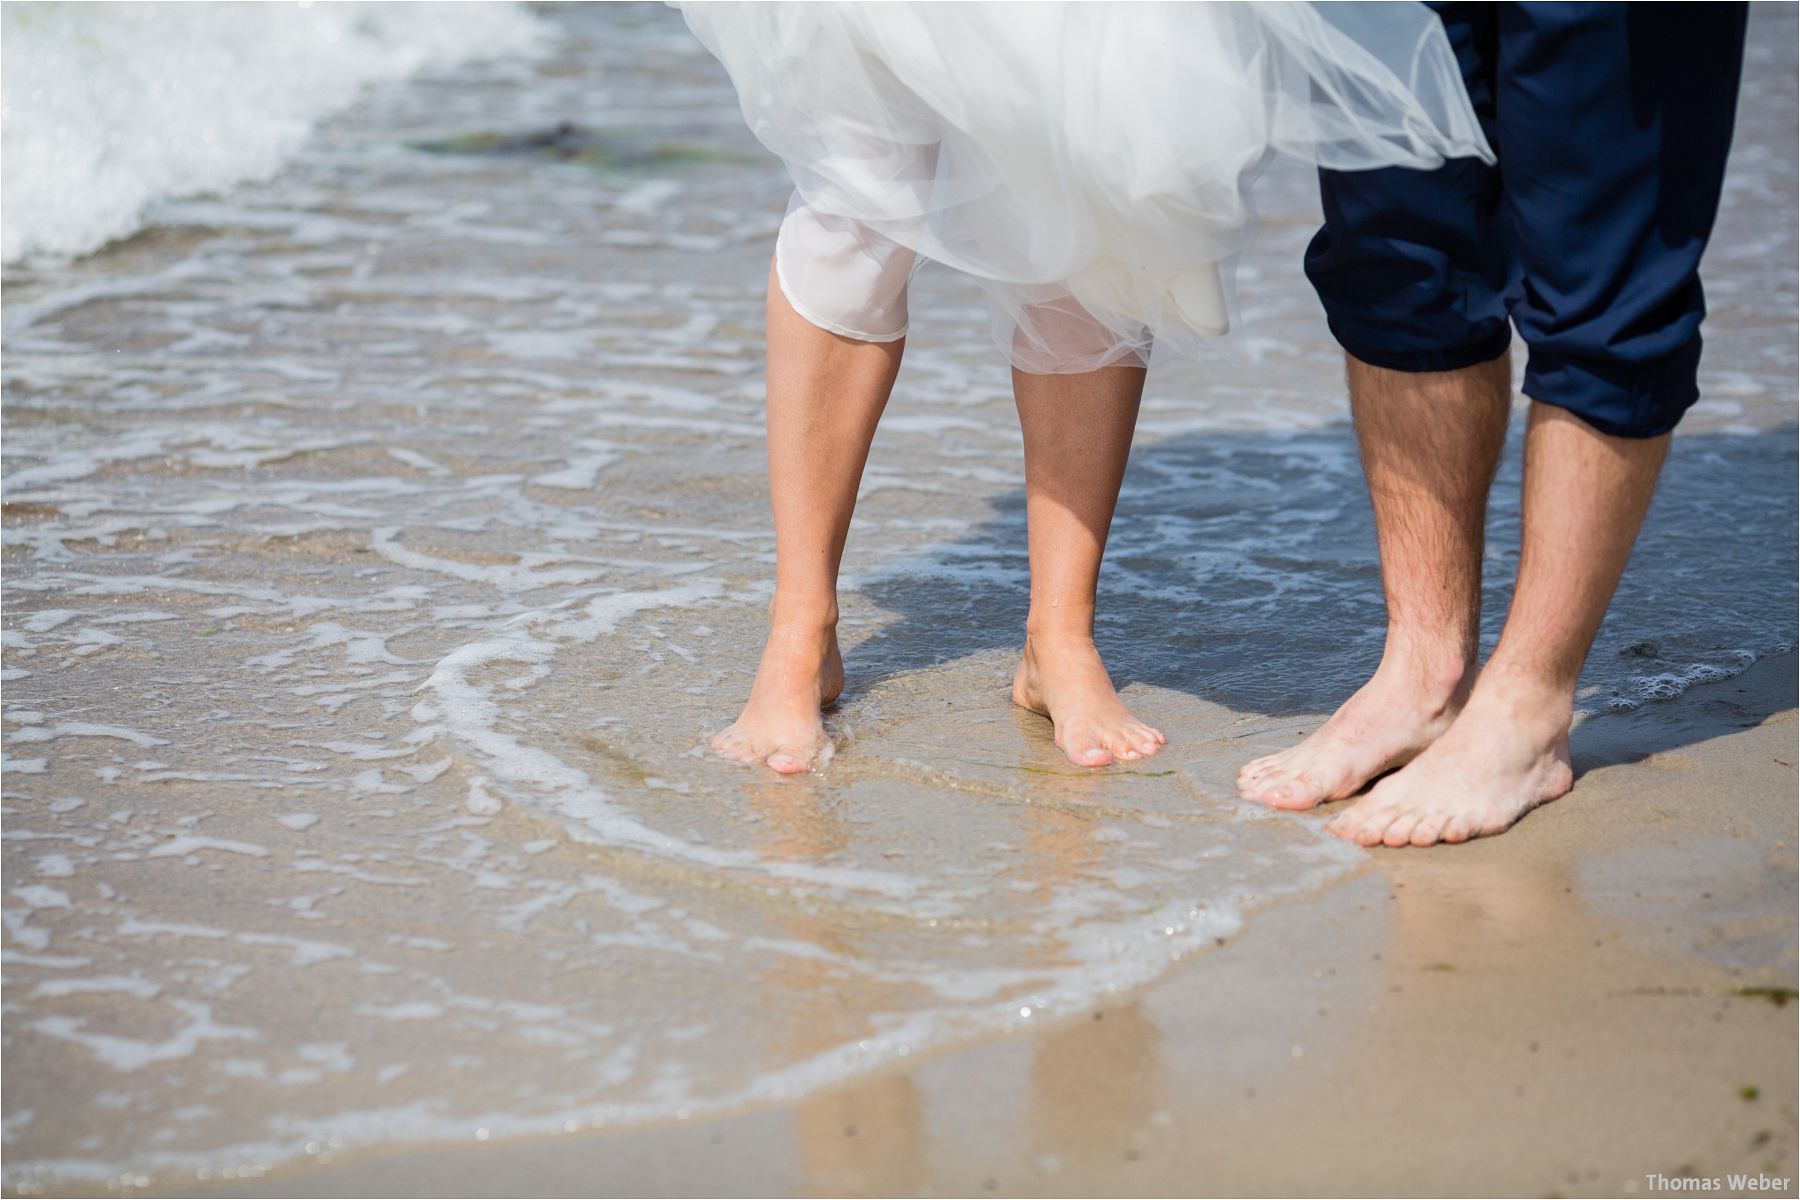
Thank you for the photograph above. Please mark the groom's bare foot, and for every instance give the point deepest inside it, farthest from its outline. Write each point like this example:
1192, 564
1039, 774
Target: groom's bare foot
1062, 677
801, 671
1408, 704
1507, 753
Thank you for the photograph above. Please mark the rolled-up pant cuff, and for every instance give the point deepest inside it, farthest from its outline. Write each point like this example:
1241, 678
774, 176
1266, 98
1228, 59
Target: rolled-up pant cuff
1628, 400
1435, 358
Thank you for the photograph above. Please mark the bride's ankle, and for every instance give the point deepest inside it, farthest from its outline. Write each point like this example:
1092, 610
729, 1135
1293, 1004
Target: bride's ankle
1054, 636
802, 615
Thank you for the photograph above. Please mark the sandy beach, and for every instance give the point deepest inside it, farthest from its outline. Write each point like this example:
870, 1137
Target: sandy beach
384, 540
1603, 997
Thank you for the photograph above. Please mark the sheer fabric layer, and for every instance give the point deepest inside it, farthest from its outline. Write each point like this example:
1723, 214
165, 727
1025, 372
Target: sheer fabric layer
1088, 163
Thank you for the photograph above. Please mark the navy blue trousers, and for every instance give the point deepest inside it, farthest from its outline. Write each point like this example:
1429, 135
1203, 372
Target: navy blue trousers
1611, 123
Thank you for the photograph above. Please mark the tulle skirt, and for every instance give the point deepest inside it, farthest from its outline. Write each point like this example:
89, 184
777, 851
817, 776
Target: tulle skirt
1088, 163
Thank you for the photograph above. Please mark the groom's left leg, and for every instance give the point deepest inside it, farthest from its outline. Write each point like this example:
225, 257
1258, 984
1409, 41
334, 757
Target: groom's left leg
1612, 208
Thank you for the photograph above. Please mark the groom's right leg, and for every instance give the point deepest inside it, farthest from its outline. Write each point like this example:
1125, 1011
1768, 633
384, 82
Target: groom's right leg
1430, 443
1412, 268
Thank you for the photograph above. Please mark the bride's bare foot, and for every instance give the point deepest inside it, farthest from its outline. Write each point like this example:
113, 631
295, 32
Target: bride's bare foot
801, 671
1062, 678
1408, 704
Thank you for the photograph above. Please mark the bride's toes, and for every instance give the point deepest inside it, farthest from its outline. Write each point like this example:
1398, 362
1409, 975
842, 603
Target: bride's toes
1133, 742
788, 751
1148, 739
780, 726
730, 744
1066, 681
1083, 748
786, 762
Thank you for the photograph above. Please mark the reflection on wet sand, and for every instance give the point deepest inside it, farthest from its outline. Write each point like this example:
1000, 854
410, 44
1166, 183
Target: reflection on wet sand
1094, 1079
867, 1138
1095, 1085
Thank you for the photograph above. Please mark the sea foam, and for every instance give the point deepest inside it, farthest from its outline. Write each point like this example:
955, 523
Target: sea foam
107, 108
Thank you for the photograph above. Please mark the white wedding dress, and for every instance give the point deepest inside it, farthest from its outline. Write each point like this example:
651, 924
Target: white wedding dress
1088, 163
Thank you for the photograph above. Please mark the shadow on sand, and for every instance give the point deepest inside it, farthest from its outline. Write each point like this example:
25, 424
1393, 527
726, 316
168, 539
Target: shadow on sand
1242, 570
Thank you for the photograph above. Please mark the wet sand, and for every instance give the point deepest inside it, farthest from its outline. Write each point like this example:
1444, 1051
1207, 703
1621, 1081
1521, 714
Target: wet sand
1603, 995
382, 543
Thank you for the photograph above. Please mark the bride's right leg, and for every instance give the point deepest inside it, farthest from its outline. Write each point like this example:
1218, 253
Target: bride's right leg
1077, 430
1077, 425
825, 394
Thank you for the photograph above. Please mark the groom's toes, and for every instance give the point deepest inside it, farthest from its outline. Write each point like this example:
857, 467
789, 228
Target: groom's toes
1278, 793
1252, 773
1399, 833
1372, 830
1346, 823
1429, 831
1256, 787
1293, 792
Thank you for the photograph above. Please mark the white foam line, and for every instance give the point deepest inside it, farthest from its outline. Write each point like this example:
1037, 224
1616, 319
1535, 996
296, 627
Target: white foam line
457, 707
509, 578
19, 317
182, 846
40, 733
132, 1054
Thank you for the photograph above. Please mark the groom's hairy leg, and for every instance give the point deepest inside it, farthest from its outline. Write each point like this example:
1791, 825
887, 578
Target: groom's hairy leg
1430, 444
1508, 751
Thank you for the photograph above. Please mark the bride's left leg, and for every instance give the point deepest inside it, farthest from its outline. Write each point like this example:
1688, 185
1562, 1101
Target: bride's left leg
1077, 437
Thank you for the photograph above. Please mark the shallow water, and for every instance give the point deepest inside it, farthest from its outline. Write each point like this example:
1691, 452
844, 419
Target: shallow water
382, 543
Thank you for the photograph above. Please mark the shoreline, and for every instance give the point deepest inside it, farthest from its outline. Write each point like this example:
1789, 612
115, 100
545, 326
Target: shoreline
1527, 1004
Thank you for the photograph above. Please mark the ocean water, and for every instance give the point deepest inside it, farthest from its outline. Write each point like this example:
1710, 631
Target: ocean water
383, 540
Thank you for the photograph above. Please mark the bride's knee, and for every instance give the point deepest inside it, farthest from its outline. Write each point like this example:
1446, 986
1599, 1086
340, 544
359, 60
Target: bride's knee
843, 276
1053, 334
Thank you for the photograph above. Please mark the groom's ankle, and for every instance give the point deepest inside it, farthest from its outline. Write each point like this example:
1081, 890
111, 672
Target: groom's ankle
1534, 695
1437, 672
